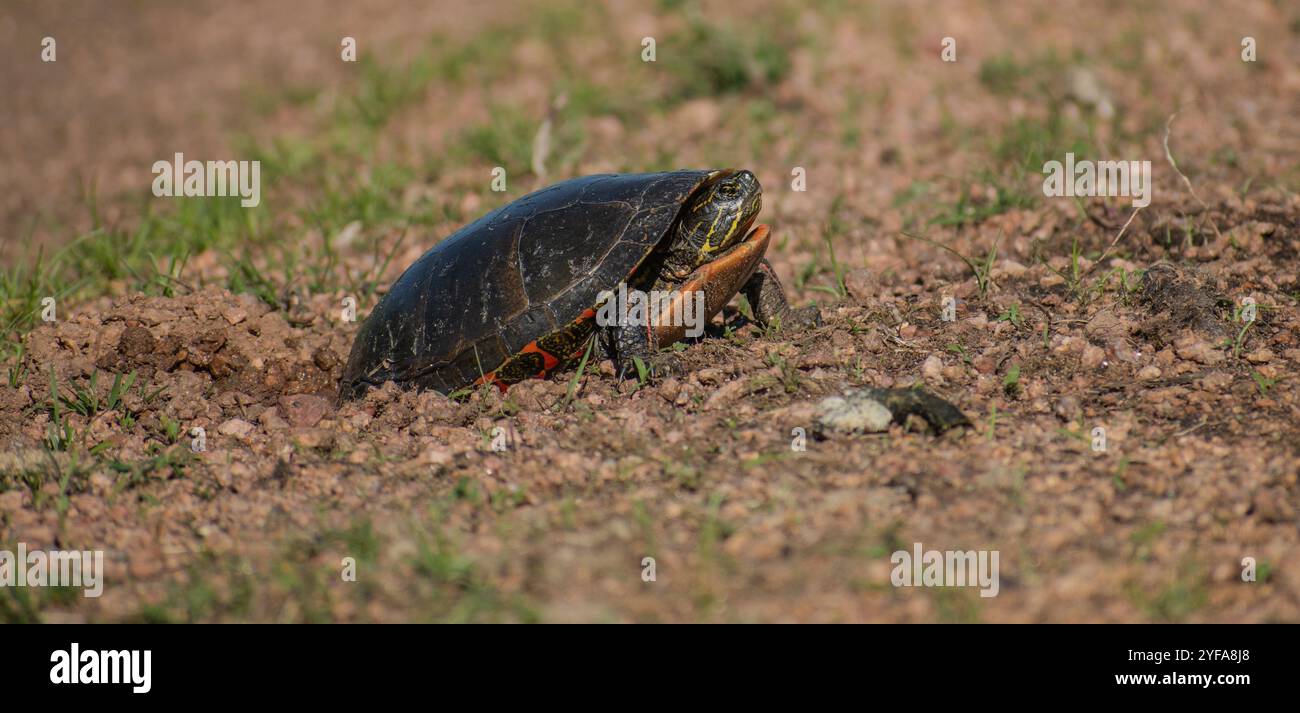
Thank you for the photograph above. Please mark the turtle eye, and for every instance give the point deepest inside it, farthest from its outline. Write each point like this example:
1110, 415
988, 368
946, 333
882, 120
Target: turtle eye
728, 191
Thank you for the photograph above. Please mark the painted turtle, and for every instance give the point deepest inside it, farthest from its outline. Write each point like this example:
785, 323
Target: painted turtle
519, 292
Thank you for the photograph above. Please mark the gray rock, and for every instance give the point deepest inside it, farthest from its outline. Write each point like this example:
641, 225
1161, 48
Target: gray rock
855, 412
872, 410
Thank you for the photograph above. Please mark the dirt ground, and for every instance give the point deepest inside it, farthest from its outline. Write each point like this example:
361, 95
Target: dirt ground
923, 183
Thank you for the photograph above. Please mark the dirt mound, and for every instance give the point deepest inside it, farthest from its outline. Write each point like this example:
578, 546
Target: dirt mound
201, 358
1180, 298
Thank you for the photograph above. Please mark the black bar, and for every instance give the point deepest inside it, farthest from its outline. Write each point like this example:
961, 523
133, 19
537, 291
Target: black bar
332, 663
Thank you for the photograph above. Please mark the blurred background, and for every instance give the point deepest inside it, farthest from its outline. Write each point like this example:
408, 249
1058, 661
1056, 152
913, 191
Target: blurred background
854, 92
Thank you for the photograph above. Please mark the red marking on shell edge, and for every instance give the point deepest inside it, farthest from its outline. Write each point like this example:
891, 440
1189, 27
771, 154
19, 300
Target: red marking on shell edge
491, 378
549, 361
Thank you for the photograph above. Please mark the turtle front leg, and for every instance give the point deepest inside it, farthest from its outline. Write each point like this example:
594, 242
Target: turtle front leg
767, 300
744, 270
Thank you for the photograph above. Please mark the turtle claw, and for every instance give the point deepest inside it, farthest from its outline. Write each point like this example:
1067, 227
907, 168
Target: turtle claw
653, 368
767, 298
805, 317
801, 318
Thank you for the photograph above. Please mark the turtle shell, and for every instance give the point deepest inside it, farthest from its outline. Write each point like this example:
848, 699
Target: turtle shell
527, 270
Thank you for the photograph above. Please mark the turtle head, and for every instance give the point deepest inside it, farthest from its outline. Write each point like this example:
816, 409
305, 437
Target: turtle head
716, 217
